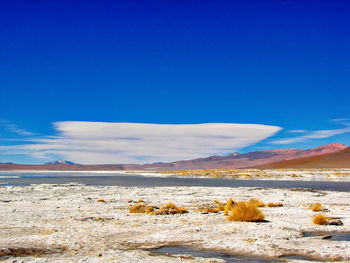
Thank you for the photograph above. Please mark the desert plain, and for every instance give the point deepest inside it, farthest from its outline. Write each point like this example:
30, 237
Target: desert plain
83, 223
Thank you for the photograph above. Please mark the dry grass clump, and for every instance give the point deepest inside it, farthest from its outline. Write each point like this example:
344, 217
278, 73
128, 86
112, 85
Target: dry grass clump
271, 204
167, 209
138, 208
256, 202
47, 232
211, 210
170, 209
217, 173
246, 211
317, 207
208, 210
149, 209
320, 219
219, 207
228, 206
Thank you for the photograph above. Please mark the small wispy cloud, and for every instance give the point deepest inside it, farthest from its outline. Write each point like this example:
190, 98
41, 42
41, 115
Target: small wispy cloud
9, 126
298, 131
101, 142
320, 134
341, 120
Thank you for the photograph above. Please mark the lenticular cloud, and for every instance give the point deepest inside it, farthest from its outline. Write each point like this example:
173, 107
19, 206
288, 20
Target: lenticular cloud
99, 142
102, 143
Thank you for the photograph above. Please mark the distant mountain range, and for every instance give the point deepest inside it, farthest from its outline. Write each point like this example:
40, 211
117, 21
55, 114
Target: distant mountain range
326, 156
61, 162
340, 159
250, 159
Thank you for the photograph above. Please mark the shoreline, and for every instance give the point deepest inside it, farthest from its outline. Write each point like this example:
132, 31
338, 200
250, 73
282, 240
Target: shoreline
331, 175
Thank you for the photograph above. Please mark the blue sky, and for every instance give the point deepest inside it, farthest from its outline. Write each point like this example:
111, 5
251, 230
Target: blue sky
282, 64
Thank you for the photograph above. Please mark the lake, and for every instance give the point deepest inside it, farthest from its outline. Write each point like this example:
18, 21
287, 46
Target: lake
115, 179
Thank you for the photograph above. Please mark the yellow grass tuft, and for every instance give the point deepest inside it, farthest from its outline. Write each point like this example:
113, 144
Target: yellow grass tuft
274, 204
149, 209
170, 209
317, 207
208, 210
167, 209
228, 206
320, 219
246, 211
138, 208
47, 232
256, 202
212, 209
220, 205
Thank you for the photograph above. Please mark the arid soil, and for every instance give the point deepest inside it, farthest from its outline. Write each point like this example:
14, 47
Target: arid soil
79, 223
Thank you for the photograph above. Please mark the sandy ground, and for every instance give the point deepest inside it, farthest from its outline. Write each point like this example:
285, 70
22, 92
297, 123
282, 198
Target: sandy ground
66, 223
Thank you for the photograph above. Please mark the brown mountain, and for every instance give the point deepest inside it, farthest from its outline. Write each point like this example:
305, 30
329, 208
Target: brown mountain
252, 159
234, 160
339, 159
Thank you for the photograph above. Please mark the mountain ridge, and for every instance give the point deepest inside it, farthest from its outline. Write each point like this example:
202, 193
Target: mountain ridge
339, 159
231, 161
60, 162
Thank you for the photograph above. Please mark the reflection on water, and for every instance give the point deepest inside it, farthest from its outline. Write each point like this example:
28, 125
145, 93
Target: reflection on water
142, 181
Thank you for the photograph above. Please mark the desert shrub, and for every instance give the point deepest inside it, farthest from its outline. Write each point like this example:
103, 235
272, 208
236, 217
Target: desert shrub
213, 209
256, 202
138, 208
271, 204
317, 207
320, 219
246, 211
228, 206
149, 209
167, 209
220, 205
170, 209
208, 210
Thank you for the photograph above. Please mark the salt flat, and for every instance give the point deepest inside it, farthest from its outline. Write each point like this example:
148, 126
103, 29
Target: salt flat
80, 223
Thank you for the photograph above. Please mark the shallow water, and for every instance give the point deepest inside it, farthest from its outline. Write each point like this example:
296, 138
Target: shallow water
331, 235
304, 258
178, 250
24, 178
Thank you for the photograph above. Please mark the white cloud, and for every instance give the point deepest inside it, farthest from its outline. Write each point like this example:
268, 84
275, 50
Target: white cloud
320, 134
298, 131
14, 128
341, 120
101, 142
